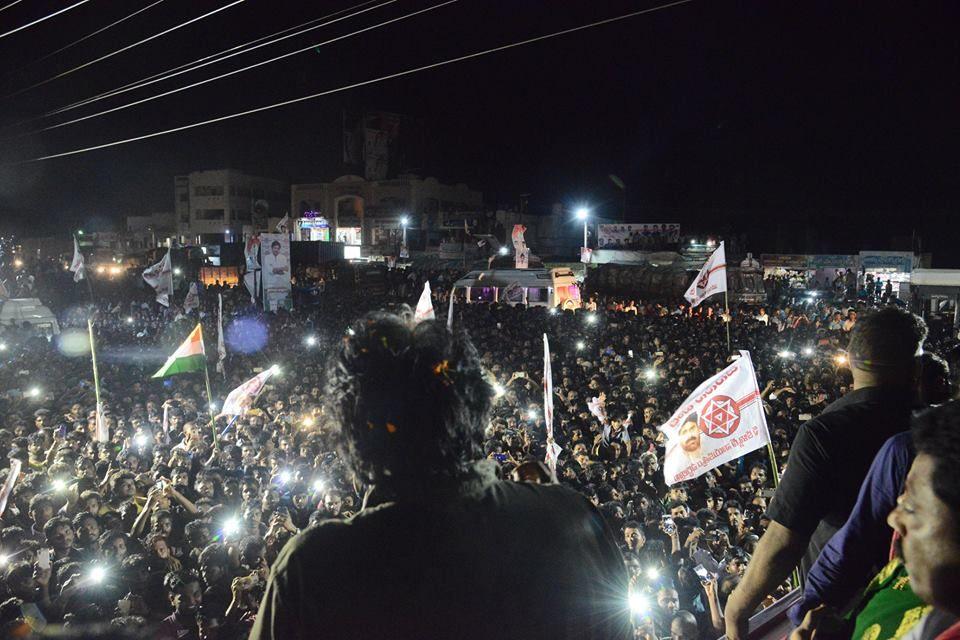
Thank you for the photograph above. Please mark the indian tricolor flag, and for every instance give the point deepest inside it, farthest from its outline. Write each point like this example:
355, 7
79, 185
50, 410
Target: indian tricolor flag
190, 356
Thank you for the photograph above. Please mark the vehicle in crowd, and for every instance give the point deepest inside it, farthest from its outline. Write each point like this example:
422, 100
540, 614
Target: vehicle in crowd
538, 287
29, 312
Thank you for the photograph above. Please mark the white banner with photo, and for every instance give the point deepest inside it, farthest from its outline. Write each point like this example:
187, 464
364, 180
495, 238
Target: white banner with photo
720, 421
636, 236
275, 261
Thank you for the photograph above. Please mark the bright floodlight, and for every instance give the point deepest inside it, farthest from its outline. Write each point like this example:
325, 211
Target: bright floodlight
275, 368
4, 559
498, 390
591, 318
3, 346
653, 573
59, 484
311, 341
638, 604
318, 485
231, 527
582, 213
532, 414
18, 263
33, 392
650, 374
785, 354
503, 251
177, 271
351, 332
404, 220
140, 440
97, 575
129, 319
308, 421
807, 351
693, 241
285, 477
580, 345
553, 311
841, 359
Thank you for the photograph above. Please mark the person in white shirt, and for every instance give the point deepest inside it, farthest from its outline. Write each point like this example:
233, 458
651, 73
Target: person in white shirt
275, 262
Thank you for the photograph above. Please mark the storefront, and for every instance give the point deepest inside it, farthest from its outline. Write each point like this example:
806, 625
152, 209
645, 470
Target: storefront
810, 271
352, 236
314, 226
888, 266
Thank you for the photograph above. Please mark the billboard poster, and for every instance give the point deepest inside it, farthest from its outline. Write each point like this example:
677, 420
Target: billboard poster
275, 274
637, 236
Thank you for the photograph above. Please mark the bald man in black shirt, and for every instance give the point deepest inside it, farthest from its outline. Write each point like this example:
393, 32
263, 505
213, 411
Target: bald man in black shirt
832, 454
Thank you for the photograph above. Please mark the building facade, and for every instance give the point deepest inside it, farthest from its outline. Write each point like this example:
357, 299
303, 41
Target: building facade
356, 211
224, 204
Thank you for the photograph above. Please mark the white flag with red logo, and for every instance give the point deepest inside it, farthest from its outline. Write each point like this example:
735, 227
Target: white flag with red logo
721, 421
424, 309
711, 279
77, 266
242, 399
160, 277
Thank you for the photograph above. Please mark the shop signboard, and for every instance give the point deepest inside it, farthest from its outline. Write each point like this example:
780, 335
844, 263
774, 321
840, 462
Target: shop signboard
784, 261
900, 261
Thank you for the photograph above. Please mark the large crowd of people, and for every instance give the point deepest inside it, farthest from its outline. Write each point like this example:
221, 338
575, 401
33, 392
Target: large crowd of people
171, 527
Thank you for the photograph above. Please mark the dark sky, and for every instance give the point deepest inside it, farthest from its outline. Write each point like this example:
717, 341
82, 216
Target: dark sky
813, 126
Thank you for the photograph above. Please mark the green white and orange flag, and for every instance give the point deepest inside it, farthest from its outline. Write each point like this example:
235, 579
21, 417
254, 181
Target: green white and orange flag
188, 357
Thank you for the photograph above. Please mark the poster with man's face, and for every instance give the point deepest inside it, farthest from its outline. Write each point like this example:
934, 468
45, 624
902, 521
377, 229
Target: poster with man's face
275, 263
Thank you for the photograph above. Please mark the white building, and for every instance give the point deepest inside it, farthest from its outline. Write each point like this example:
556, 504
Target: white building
357, 211
222, 205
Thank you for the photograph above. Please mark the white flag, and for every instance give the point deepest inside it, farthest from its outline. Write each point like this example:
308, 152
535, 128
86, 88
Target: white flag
553, 449
450, 313
221, 346
424, 309
245, 396
721, 420
192, 301
711, 279
160, 277
284, 223
250, 282
77, 266
12, 476
103, 431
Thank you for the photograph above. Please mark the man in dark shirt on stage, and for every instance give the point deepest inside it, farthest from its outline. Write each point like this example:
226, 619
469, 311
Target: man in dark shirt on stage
443, 548
832, 454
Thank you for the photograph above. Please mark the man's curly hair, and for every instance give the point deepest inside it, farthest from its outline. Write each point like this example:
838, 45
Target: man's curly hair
410, 402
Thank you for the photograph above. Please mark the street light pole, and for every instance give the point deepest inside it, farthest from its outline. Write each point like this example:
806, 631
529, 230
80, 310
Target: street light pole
584, 214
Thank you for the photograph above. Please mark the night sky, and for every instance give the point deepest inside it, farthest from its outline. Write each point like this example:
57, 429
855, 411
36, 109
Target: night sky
811, 126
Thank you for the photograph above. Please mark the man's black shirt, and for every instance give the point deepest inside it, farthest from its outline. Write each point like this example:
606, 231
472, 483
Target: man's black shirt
495, 559
830, 458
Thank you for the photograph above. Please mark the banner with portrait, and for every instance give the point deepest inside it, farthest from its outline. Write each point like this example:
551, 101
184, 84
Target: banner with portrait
275, 273
637, 236
720, 421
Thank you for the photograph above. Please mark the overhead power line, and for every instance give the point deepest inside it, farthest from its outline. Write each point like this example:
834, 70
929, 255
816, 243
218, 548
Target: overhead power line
38, 20
122, 49
5, 7
355, 85
193, 85
226, 54
97, 32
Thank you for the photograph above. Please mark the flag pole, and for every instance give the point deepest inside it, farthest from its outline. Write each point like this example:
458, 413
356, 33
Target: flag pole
213, 422
96, 374
726, 304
